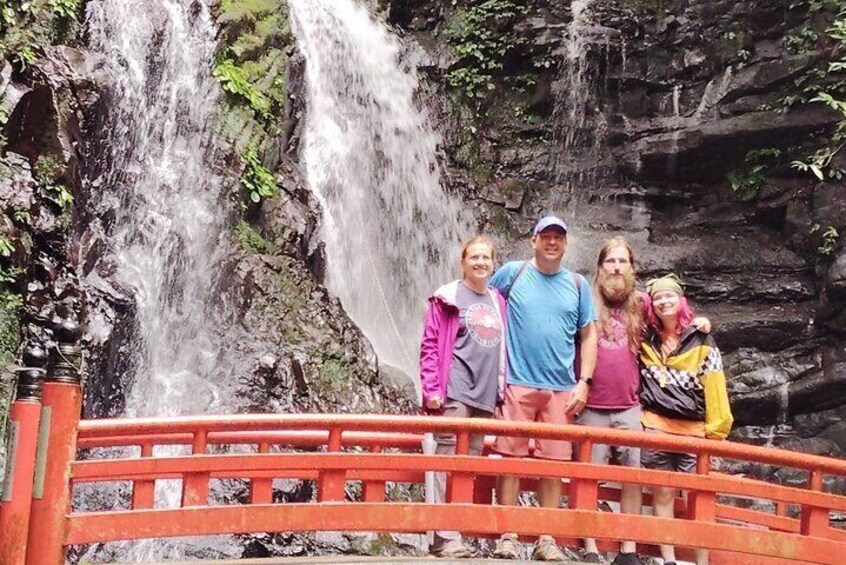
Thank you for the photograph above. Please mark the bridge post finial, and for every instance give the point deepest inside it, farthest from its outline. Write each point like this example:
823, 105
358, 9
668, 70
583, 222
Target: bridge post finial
22, 439
61, 409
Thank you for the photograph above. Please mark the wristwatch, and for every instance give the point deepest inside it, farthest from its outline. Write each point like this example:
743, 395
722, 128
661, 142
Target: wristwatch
587, 380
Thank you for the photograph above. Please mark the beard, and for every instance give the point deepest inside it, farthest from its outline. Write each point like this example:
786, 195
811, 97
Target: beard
615, 289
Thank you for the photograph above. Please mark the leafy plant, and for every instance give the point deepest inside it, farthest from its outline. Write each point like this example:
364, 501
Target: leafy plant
27, 25
59, 194
66, 8
481, 35
233, 79
256, 180
749, 179
824, 86
6, 246
829, 239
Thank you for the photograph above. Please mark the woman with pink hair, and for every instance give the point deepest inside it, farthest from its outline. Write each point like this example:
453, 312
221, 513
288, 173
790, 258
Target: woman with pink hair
683, 389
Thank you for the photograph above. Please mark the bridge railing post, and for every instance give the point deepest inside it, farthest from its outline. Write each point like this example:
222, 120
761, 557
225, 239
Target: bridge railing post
261, 488
460, 485
144, 491
61, 406
195, 486
814, 521
702, 506
374, 490
16, 501
583, 492
331, 484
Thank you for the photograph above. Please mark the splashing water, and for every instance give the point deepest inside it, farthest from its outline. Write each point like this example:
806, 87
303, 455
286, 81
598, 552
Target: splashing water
167, 235
391, 233
579, 129
167, 239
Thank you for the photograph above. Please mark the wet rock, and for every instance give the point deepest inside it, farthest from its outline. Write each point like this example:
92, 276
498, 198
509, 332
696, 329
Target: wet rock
708, 151
836, 277
767, 76
822, 390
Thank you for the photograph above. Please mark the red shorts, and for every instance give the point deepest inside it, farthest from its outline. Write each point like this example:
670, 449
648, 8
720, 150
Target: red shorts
526, 404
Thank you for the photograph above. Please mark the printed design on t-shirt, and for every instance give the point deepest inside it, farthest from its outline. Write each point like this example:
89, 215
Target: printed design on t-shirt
483, 324
617, 337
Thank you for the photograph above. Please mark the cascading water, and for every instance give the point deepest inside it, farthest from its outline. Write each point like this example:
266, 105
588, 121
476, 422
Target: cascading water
167, 234
166, 220
391, 233
579, 129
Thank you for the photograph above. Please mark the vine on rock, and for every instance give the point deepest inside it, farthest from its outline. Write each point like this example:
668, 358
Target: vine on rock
481, 35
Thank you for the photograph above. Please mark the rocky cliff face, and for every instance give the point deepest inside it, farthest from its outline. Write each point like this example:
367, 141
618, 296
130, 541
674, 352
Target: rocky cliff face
648, 120
298, 349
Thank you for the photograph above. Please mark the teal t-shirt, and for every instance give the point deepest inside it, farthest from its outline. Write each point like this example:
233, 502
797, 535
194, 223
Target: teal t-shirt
544, 314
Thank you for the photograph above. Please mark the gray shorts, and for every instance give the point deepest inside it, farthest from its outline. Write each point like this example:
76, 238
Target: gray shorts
667, 460
628, 419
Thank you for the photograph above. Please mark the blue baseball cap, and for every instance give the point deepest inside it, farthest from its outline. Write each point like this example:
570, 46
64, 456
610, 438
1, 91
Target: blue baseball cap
549, 222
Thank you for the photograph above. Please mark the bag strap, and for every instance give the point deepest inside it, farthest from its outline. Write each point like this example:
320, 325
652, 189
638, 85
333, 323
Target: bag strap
577, 280
507, 290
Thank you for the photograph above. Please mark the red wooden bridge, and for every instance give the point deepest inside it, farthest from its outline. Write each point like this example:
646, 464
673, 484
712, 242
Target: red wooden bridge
742, 520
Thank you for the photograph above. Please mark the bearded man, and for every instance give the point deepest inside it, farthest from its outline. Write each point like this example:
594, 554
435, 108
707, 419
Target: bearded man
613, 397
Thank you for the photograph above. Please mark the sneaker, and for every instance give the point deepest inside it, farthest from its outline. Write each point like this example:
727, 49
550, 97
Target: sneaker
453, 549
592, 557
507, 547
547, 550
627, 559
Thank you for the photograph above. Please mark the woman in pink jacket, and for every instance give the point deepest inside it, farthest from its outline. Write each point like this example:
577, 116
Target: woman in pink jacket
462, 361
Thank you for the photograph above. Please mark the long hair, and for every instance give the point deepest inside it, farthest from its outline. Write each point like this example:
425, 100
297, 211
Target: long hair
631, 308
685, 316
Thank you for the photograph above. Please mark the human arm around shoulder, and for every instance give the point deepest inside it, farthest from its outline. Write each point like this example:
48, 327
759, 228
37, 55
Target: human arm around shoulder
718, 417
429, 362
702, 324
501, 280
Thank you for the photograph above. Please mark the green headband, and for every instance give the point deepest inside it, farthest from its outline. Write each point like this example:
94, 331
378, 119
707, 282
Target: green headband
668, 282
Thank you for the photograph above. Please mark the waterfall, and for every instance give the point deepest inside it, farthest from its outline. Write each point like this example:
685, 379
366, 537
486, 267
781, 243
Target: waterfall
167, 232
579, 128
166, 225
391, 233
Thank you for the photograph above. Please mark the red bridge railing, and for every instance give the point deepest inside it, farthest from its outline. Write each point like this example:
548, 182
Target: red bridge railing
742, 520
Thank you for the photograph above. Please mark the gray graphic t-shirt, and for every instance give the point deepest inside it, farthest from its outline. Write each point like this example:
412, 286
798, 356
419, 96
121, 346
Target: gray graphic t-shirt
473, 377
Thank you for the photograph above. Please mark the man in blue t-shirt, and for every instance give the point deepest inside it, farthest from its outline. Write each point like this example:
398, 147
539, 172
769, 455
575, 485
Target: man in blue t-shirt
547, 306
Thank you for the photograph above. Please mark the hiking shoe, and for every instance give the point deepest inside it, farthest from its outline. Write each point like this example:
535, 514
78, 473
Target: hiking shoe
453, 549
627, 559
592, 557
547, 550
507, 547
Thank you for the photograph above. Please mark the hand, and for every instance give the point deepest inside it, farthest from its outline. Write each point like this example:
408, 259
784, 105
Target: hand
578, 399
702, 324
433, 403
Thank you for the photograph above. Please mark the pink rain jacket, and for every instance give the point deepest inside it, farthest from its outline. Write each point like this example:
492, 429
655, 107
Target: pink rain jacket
439, 334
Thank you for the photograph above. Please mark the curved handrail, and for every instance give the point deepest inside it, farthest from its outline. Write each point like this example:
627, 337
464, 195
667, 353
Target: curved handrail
389, 450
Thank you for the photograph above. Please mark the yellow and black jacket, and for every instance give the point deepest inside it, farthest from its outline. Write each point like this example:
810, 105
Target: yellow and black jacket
689, 385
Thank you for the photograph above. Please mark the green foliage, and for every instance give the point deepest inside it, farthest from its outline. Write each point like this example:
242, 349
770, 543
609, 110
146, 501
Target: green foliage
335, 371
66, 8
233, 79
250, 239
829, 239
481, 35
256, 180
28, 25
822, 85
6, 246
748, 180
